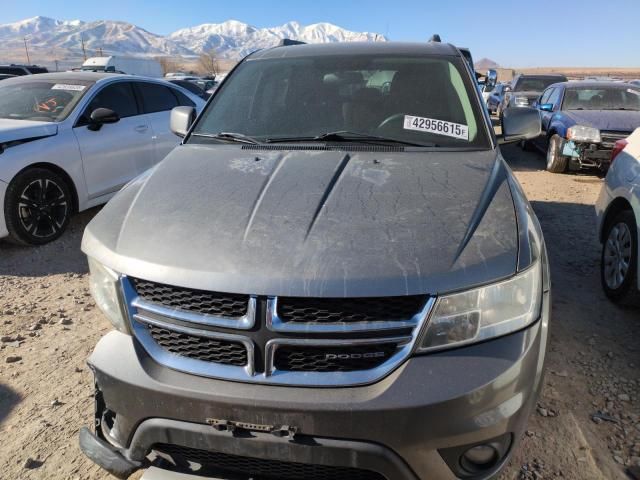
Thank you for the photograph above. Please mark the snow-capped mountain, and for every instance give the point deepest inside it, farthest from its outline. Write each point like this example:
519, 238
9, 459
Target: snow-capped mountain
67, 36
235, 39
232, 39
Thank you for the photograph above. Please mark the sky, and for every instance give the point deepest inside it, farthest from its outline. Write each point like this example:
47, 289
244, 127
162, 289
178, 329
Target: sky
546, 33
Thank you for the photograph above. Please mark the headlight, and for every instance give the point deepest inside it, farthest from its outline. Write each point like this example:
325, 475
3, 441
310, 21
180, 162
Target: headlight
485, 312
521, 101
104, 288
580, 133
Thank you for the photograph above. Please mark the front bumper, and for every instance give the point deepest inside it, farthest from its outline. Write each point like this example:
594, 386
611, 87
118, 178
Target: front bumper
3, 224
398, 427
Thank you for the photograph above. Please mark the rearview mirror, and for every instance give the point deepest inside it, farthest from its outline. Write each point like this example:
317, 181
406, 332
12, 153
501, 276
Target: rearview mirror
521, 123
546, 107
102, 116
181, 120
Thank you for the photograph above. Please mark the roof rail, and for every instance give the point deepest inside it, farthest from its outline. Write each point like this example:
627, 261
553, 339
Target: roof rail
435, 38
286, 42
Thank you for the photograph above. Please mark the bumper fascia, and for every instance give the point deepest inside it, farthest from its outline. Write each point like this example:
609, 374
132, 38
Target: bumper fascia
396, 426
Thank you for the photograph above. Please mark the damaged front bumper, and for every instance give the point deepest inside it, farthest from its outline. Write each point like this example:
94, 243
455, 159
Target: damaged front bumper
414, 424
587, 155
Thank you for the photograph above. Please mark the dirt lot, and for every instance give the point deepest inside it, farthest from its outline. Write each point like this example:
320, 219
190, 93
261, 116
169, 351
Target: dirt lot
49, 324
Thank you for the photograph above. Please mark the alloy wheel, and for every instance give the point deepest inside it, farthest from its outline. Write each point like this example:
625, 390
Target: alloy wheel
617, 255
43, 208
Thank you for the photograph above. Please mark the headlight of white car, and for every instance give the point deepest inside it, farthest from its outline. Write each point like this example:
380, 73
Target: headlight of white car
580, 133
104, 286
486, 312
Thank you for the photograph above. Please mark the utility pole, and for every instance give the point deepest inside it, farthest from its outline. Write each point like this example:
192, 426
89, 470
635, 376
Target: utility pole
26, 50
84, 52
56, 65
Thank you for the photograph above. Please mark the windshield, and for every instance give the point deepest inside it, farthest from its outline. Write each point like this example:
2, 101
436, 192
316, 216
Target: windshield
45, 101
606, 98
424, 101
535, 84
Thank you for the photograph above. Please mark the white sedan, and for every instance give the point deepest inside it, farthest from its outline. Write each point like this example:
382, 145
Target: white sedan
70, 141
618, 210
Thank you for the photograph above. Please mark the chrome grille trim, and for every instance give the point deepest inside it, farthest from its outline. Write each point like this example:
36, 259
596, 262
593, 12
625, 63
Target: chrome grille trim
190, 365
276, 324
141, 314
329, 379
240, 323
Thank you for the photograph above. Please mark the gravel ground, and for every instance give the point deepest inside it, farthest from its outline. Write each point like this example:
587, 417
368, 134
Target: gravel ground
587, 425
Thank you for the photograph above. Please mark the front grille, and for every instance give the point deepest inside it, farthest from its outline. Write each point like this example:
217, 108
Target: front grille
218, 463
198, 301
294, 358
349, 310
200, 348
610, 138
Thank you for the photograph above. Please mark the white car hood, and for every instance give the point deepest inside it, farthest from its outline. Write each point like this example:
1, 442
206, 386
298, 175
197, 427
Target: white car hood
14, 130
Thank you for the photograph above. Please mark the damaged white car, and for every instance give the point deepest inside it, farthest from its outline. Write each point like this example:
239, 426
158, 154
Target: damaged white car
70, 141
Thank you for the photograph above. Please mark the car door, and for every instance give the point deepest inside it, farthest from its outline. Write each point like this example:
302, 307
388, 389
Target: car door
115, 153
543, 100
553, 99
157, 101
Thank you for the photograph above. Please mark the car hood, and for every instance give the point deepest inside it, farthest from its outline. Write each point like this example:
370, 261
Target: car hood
607, 120
312, 223
14, 130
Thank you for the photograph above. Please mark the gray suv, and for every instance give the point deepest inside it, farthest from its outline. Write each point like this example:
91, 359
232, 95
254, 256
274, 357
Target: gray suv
334, 276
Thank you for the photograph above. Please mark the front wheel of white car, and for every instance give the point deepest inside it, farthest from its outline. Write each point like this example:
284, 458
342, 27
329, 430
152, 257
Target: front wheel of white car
37, 207
619, 265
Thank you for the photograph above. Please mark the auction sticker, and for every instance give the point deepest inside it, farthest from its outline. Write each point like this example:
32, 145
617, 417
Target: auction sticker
440, 127
73, 88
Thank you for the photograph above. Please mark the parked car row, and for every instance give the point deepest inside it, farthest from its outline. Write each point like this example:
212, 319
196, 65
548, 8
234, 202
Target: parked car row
70, 141
581, 120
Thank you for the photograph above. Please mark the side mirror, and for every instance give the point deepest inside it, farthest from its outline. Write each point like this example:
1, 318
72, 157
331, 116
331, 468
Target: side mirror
102, 116
521, 123
491, 78
181, 120
546, 107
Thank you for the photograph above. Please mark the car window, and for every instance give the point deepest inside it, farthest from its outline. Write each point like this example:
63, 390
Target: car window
423, 100
554, 98
118, 97
534, 84
156, 98
27, 98
545, 96
192, 87
183, 100
605, 98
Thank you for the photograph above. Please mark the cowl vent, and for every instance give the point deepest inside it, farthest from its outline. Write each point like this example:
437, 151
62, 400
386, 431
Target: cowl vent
339, 148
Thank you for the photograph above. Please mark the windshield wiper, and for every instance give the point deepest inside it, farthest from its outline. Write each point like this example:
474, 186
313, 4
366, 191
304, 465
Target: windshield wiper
234, 137
622, 108
347, 136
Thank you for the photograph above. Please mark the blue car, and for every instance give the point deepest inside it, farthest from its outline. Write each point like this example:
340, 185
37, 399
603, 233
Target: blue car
581, 121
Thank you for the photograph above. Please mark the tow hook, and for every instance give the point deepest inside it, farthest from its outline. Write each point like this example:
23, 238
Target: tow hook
281, 431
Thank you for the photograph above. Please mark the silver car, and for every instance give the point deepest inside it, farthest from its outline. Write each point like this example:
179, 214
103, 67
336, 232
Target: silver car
618, 211
70, 141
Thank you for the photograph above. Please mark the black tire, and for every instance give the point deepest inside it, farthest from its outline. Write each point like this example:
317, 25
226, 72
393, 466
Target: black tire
620, 243
37, 207
556, 163
526, 145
